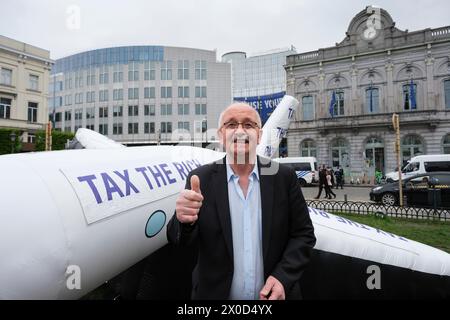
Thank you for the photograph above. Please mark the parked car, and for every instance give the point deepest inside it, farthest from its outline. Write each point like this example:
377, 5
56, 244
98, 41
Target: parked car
416, 189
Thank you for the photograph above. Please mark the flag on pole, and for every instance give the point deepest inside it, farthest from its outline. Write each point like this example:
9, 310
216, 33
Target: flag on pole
332, 104
412, 96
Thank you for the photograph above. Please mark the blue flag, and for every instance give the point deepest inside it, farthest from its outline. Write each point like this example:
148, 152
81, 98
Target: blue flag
371, 99
332, 104
412, 96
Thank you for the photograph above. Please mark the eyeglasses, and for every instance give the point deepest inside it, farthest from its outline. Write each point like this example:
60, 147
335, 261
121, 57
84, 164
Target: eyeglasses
246, 125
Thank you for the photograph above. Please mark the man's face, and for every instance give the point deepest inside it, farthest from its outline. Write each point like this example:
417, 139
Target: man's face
240, 133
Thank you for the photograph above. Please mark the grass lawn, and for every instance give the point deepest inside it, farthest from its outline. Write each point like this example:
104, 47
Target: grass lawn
432, 233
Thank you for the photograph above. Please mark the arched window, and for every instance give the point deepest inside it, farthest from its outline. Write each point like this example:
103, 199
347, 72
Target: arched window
374, 152
340, 153
308, 148
412, 146
446, 144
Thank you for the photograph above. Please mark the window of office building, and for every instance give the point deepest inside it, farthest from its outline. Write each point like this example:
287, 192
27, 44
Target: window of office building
372, 100
32, 111
149, 92
183, 92
90, 96
90, 77
166, 92
446, 144
103, 112
200, 108
103, 95
5, 108
149, 127
103, 75
6, 76
31, 138
103, 129
133, 93
133, 128
409, 97
166, 127
117, 128
308, 148
34, 82
78, 114
183, 69
200, 92
117, 111
183, 109
149, 110
68, 115
200, 70
133, 71
166, 109
117, 73
149, 70
183, 125
90, 113
308, 108
117, 94
412, 146
68, 100
166, 70
133, 111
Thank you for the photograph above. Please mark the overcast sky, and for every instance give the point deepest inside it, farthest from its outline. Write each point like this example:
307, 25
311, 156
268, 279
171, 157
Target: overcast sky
225, 25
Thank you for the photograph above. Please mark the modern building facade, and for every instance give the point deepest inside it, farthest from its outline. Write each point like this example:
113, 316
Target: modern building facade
142, 95
259, 80
24, 74
349, 92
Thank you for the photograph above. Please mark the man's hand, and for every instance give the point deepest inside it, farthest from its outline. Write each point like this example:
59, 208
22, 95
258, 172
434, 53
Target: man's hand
189, 202
272, 290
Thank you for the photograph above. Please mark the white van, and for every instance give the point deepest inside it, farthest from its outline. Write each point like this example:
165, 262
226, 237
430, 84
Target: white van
422, 164
305, 168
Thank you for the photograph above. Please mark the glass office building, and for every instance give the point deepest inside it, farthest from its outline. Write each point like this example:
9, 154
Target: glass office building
141, 95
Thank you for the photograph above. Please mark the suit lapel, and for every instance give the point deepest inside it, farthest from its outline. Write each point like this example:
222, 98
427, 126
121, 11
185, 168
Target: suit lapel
267, 193
222, 203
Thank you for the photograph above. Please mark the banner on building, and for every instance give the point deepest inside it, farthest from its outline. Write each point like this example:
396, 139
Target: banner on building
263, 104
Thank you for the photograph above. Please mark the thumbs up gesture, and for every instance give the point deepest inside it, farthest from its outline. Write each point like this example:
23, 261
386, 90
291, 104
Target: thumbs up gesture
189, 202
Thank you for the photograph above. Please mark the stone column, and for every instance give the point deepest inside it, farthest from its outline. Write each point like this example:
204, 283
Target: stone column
429, 87
390, 104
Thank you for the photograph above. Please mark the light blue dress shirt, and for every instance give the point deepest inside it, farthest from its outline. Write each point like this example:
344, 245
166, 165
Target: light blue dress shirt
248, 276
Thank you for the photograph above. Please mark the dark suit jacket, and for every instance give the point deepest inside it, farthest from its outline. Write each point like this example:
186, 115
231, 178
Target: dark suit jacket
287, 231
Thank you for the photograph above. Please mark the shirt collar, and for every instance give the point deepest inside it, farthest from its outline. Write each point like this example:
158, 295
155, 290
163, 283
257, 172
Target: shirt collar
230, 172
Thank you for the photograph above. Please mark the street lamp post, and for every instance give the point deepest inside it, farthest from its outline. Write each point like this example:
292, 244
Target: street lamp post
204, 130
12, 136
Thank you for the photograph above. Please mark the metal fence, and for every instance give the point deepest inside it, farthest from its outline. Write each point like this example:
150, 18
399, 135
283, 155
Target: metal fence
410, 212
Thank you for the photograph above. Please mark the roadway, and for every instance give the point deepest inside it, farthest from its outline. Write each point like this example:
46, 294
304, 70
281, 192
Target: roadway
354, 193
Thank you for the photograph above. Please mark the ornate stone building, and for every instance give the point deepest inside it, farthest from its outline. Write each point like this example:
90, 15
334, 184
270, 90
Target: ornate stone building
349, 92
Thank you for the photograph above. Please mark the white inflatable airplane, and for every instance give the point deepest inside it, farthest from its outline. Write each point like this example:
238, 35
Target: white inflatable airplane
71, 220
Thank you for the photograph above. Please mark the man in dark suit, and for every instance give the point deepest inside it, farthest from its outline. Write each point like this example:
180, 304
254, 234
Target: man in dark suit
248, 219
